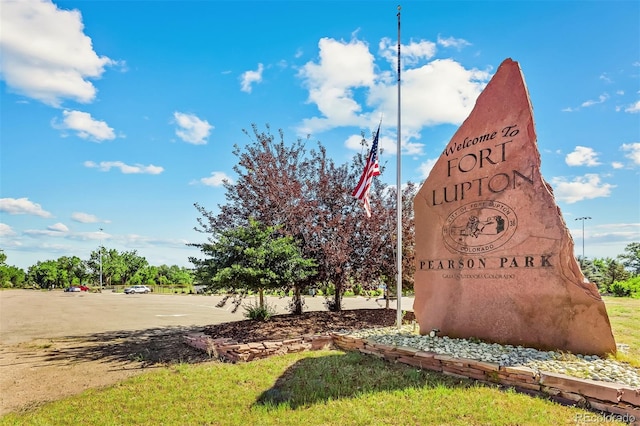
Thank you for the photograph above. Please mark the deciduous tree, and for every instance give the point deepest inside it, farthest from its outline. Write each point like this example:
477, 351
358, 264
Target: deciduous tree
251, 258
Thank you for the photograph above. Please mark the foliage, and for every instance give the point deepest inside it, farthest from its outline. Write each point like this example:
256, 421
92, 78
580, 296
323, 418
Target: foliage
630, 287
260, 313
610, 270
631, 258
251, 258
619, 289
118, 268
308, 196
46, 275
605, 273
593, 273
10, 276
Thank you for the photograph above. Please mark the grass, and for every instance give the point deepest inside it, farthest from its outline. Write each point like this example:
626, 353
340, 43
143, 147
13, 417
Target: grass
317, 388
624, 315
311, 388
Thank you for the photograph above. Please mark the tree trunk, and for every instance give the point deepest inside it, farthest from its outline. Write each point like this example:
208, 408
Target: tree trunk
337, 305
261, 293
297, 301
386, 296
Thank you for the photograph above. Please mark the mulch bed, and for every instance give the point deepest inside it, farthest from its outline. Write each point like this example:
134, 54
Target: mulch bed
290, 326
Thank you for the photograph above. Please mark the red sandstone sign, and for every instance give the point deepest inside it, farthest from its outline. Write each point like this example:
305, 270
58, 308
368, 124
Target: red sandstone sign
494, 256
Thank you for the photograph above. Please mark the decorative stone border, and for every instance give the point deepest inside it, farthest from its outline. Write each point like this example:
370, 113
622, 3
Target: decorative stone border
617, 399
230, 350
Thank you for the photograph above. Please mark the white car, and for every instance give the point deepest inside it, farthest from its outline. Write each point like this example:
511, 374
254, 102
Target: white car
137, 289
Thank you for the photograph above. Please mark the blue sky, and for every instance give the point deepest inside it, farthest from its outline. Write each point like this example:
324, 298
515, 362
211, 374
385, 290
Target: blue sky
120, 115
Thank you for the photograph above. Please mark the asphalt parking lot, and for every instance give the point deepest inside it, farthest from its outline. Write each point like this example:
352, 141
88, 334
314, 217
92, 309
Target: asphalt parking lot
29, 314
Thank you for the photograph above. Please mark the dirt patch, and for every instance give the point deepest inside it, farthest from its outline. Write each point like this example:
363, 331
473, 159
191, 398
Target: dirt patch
45, 370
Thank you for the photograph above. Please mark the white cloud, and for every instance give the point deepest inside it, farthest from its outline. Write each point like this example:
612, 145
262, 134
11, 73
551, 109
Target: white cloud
58, 227
249, 77
440, 92
45, 233
192, 129
412, 53
105, 166
412, 148
625, 231
345, 78
602, 98
354, 143
342, 67
216, 179
387, 145
86, 218
425, 168
633, 108
604, 77
458, 43
633, 150
617, 165
135, 240
6, 230
581, 188
45, 53
22, 206
86, 126
582, 156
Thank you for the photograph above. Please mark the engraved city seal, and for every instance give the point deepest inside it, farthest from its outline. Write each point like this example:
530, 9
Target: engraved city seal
479, 227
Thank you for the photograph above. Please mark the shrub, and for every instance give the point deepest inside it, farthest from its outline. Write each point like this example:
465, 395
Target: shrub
357, 290
260, 313
331, 305
630, 287
620, 289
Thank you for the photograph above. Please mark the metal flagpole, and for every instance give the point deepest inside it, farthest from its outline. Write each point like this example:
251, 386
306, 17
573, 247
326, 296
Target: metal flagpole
399, 200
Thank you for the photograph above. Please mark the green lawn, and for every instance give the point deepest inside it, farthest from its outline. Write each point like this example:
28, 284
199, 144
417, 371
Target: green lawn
624, 315
312, 388
316, 388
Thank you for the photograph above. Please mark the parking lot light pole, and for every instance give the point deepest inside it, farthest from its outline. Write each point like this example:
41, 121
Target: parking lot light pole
100, 259
583, 219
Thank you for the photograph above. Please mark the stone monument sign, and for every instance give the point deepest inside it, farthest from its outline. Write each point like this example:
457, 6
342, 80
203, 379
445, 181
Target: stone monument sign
494, 258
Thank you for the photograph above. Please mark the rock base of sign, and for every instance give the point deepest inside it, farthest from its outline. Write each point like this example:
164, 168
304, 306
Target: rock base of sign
494, 258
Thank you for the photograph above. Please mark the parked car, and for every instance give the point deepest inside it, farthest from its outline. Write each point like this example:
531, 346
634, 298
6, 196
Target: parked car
75, 288
137, 289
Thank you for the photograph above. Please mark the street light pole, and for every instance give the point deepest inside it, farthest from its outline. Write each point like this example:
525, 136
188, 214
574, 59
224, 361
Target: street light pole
583, 219
100, 259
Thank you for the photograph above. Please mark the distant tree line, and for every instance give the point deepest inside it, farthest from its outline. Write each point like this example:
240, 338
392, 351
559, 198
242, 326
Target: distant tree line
118, 268
619, 276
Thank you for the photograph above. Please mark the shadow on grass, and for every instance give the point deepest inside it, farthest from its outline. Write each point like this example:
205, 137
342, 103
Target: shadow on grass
165, 345
141, 348
346, 375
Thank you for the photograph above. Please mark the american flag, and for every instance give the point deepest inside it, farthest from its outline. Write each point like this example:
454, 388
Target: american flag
371, 169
